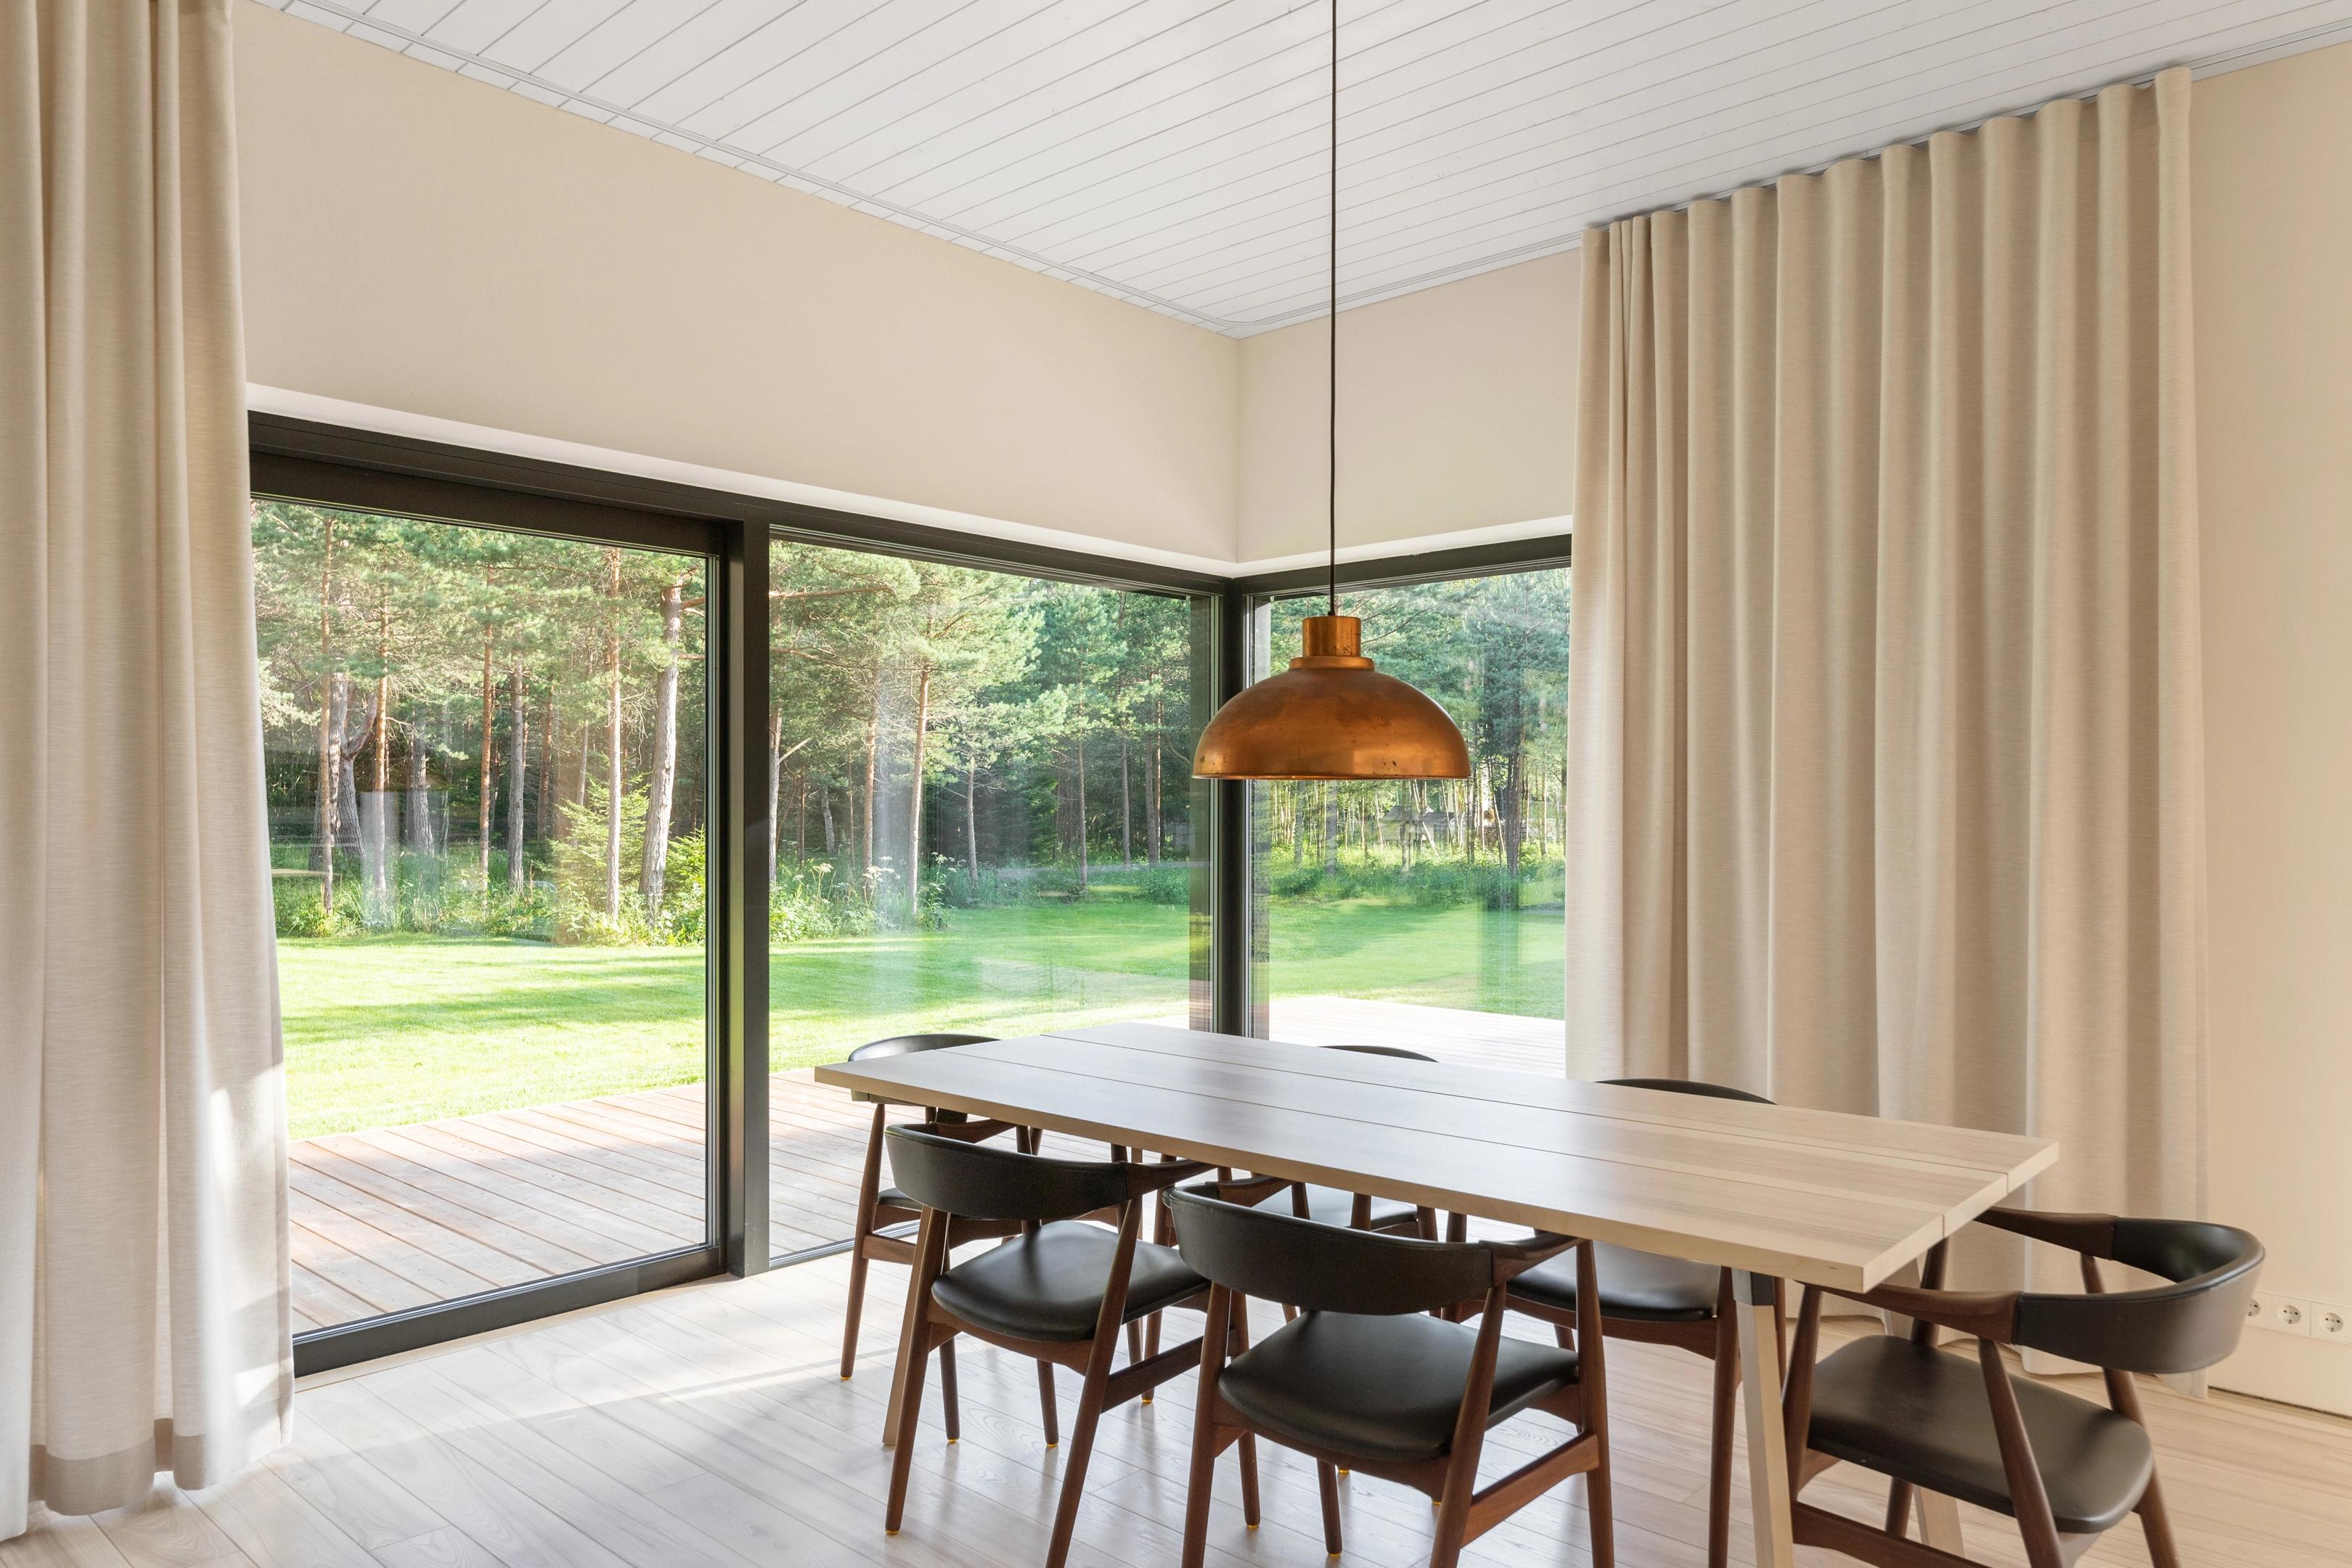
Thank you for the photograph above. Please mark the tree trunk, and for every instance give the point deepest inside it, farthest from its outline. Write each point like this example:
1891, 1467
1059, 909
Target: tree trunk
972, 823
613, 790
824, 807
664, 782
518, 773
776, 787
915, 798
1082, 789
330, 722
379, 839
1151, 827
1331, 828
422, 839
873, 743
549, 750
1125, 806
490, 757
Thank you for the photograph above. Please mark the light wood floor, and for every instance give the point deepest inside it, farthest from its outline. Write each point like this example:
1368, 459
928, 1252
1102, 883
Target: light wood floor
707, 1426
403, 1216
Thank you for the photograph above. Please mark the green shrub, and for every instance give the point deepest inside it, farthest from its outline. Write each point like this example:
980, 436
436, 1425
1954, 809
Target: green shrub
1167, 884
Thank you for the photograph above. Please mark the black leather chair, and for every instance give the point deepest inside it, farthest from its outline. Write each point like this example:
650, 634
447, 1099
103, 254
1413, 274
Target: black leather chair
2066, 1469
1364, 1379
886, 1215
1658, 1301
1058, 1292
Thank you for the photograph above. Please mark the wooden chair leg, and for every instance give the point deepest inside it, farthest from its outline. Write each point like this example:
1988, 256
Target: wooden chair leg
1327, 1481
1082, 1446
869, 1188
1203, 1478
2156, 1524
1046, 1409
947, 1388
914, 1355
1236, 1341
1898, 1510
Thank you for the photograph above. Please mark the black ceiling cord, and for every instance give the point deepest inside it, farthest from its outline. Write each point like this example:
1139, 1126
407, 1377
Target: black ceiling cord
1334, 606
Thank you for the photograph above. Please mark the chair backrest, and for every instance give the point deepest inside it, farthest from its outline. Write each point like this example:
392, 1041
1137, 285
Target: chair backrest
2184, 1326
1324, 1268
978, 1181
907, 1045
1689, 1086
1397, 1051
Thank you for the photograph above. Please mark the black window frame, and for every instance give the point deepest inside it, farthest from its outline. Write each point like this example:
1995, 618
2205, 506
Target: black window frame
334, 465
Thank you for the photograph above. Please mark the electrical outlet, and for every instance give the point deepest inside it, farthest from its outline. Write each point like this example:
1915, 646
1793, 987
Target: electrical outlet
2258, 1310
2290, 1316
2332, 1323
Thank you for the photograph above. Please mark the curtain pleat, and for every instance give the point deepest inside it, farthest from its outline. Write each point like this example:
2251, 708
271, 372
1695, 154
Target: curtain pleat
1886, 757
144, 1316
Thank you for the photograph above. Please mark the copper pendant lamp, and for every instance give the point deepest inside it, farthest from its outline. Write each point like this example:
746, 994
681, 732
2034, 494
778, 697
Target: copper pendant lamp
1331, 715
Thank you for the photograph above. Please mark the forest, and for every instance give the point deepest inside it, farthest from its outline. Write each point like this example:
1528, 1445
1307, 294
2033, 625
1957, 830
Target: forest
489, 734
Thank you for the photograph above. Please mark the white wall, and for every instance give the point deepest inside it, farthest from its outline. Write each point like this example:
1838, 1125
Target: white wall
418, 242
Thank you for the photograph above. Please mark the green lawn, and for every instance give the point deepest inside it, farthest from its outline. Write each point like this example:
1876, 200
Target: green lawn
383, 1031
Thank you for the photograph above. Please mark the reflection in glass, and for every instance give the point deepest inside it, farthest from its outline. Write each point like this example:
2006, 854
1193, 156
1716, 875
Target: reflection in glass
983, 818
1426, 914
486, 793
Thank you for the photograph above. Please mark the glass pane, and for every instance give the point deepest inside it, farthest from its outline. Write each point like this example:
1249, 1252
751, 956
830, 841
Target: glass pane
983, 814
487, 789
1426, 915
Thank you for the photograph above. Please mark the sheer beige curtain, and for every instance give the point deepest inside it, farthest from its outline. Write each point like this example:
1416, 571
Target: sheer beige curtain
144, 1313
1886, 754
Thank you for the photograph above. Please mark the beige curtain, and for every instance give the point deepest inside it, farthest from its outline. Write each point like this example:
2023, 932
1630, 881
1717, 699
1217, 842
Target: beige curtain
1886, 752
143, 1306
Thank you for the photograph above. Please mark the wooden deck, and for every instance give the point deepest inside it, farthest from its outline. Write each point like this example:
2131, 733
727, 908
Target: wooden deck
405, 1216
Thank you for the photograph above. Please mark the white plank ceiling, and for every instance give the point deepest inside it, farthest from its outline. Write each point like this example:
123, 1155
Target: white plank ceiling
1173, 152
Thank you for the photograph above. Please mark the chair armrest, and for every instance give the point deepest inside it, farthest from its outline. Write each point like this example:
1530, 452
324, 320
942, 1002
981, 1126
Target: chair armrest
1514, 1257
964, 1132
2092, 1235
1152, 1176
1246, 1191
1983, 1314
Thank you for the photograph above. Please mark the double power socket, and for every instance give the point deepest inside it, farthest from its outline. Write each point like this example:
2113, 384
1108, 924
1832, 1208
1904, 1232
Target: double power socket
2294, 1315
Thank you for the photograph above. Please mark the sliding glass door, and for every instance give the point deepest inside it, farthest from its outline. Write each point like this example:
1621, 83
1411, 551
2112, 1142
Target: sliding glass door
490, 778
1425, 915
983, 821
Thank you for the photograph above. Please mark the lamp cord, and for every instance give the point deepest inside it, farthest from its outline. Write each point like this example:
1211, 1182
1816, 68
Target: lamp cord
1333, 608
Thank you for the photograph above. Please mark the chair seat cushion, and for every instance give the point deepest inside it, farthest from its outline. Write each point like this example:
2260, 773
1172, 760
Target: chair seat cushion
893, 1195
1643, 1285
1049, 1285
1330, 1205
1380, 1388
1921, 1415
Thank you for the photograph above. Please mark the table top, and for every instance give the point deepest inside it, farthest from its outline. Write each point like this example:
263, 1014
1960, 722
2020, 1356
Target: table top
1818, 1196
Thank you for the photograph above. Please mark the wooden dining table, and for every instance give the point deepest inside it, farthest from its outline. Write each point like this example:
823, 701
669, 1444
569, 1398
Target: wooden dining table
1772, 1192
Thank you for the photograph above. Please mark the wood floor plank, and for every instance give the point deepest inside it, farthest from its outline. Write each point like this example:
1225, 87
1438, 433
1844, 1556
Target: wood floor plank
273, 1527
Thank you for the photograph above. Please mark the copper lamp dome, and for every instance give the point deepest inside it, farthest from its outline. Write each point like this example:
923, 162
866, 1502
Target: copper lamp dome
1331, 715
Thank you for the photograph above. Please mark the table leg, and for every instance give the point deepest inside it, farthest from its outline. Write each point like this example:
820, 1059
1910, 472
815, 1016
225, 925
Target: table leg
1768, 1452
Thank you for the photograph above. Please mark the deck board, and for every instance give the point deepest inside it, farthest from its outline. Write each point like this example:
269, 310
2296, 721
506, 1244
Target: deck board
397, 1217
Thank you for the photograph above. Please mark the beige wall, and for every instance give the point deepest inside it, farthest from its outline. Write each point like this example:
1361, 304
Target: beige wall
2273, 252
419, 242
1457, 411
